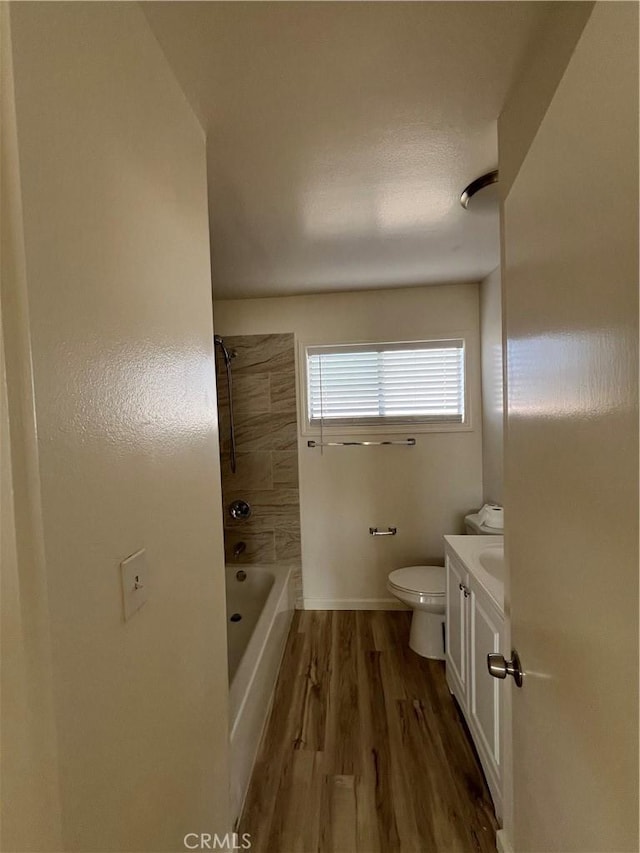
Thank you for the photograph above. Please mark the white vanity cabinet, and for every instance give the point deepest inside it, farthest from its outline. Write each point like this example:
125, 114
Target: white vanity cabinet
475, 627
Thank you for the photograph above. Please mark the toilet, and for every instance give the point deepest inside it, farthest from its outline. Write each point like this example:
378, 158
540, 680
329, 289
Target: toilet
423, 589
473, 525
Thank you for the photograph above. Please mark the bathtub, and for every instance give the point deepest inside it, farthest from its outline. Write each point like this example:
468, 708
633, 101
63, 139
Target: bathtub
256, 642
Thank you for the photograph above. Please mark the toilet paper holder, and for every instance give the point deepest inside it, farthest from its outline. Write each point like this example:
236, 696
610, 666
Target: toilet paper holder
391, 531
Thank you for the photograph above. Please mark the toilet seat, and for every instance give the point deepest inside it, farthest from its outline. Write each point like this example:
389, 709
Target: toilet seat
427, 580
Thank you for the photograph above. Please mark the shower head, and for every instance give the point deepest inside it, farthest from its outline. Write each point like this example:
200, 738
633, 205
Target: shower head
225, 352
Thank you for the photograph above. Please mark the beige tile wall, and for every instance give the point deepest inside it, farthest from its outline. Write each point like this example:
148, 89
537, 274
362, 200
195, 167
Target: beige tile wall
265, 415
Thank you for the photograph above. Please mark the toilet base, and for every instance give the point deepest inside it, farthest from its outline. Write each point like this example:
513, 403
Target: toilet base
426, 638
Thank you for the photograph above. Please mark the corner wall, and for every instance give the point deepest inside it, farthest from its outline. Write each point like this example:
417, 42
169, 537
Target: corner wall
118, 288
492, 387
527, 102
425, 491
30, 817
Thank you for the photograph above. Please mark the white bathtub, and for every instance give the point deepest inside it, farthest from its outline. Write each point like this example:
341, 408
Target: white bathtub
256, 643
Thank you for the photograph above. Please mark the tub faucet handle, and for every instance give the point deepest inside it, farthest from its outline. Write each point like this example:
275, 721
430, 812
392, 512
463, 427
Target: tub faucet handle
239, 548
240, 510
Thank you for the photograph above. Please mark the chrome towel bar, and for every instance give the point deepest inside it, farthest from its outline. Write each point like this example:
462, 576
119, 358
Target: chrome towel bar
406, 442
391, 531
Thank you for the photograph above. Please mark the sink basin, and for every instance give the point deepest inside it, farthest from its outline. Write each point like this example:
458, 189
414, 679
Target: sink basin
491, 559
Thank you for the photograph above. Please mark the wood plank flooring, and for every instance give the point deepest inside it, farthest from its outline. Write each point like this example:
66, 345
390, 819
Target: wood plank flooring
364, 751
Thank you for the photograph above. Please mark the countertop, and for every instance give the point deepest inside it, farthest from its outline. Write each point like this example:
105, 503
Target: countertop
467, 549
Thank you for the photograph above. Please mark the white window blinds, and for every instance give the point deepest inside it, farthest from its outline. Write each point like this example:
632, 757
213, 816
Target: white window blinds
417, 382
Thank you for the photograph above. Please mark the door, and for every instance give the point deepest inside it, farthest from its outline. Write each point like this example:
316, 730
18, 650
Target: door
485, 630
571, 452
456, 634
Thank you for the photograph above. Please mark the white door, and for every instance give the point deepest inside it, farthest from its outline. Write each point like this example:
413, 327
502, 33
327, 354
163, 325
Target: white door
571, 463
456, 633
485, 629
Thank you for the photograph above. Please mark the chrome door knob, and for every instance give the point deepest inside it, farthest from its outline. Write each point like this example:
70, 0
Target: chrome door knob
500, 668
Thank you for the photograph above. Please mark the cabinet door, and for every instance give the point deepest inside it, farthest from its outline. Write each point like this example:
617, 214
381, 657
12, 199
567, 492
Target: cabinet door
456, 627
485, 630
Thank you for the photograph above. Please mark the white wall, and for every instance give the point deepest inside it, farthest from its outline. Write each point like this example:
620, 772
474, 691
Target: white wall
118, 288
425, 491
492, 386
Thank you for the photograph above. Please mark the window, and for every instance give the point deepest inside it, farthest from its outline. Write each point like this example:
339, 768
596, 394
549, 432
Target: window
385, 384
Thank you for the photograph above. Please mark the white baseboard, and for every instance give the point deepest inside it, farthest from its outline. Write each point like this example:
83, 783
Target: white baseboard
503, 842
354, 604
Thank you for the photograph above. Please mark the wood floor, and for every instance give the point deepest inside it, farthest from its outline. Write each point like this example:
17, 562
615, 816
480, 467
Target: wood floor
364, 750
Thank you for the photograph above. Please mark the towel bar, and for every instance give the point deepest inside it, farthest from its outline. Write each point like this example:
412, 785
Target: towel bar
407, 442
391, 531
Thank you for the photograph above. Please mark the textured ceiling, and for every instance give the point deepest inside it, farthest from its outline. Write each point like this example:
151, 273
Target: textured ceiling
339, 135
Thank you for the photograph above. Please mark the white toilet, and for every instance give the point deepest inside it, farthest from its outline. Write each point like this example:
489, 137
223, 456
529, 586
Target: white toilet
423, 589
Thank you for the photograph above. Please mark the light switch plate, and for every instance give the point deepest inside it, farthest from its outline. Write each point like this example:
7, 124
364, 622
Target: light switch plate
135, 587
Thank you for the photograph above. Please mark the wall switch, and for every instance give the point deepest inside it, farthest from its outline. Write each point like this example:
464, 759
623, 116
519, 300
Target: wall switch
135, 587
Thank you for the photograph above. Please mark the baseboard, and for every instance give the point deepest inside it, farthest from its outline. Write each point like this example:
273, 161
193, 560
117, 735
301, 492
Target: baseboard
354, 604
503, 842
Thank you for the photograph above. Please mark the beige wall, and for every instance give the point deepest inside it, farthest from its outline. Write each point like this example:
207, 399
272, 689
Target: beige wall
528, 99
30, 816
424, 491
118, 286
492, 386
30, 804
571, 462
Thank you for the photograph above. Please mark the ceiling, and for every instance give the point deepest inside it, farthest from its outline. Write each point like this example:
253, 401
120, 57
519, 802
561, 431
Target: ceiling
340, 135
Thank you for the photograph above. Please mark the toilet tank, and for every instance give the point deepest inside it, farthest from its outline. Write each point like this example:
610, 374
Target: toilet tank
473, 526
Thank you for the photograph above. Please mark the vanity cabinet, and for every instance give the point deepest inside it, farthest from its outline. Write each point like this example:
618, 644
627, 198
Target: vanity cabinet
475, 627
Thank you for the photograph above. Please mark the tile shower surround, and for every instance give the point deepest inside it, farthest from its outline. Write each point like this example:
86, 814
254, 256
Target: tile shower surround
265, 415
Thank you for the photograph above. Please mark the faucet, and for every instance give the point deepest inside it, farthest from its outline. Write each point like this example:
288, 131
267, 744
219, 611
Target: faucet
239, 548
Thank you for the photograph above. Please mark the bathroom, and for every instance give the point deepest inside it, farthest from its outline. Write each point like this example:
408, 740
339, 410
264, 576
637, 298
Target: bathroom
333, 496
214, 632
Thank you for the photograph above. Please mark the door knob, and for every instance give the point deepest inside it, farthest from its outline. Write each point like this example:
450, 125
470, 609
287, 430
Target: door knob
500, 668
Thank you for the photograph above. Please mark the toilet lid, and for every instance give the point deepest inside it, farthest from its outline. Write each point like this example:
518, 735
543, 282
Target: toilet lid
429, 579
